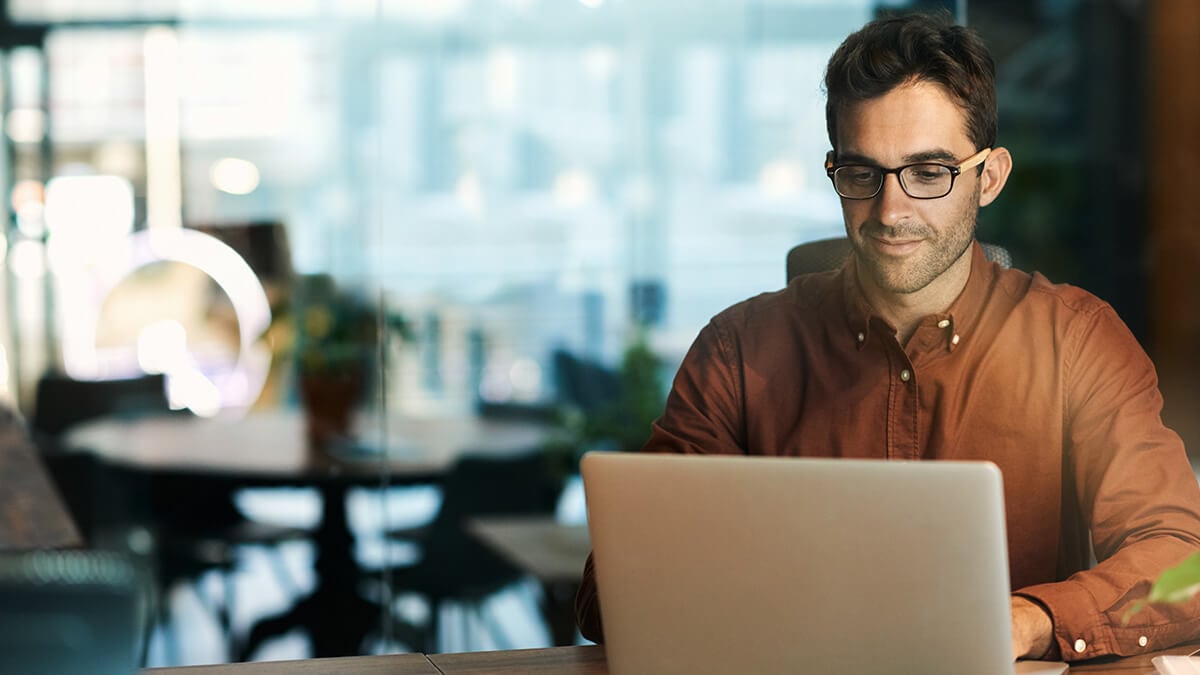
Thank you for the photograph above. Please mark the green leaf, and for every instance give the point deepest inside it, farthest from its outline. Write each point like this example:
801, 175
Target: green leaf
1179, 583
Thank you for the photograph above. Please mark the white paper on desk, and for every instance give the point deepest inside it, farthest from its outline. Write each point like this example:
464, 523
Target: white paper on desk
1176, 665
1041, 667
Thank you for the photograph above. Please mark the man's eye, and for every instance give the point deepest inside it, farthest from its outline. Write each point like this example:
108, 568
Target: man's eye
860, 174
927, 173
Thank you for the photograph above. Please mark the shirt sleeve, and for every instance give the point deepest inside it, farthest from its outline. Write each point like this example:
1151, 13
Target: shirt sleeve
702, 415
1136, 492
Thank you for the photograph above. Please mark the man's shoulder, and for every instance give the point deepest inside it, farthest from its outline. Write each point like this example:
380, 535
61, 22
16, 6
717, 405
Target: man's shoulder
1062, 296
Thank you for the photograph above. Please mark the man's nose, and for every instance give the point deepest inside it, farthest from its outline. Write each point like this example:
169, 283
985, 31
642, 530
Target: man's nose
892, 204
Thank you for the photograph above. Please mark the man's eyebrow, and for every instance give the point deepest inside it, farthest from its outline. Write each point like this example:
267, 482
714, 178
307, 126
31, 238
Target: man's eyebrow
936, 155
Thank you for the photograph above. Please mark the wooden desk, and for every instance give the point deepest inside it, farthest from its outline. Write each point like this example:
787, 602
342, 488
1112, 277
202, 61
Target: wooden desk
391, 664
554, 553
270, 449
559, 660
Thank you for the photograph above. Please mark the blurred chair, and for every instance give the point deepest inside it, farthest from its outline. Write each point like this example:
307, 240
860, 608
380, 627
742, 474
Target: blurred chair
70, 612
827, 254
196, 527
585, 384
457, 568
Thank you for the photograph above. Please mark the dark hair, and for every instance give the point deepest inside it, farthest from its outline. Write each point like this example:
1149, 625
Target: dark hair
914, 48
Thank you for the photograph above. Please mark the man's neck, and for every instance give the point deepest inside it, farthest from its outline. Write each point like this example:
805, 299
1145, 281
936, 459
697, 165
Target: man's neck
906, 310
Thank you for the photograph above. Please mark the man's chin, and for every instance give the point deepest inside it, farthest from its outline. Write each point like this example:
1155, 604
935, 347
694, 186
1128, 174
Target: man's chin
898, 279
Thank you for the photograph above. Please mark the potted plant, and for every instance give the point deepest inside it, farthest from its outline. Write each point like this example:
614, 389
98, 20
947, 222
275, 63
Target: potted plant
338, 337
622, 421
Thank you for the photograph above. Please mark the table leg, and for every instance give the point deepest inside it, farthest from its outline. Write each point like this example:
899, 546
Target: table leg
334, 615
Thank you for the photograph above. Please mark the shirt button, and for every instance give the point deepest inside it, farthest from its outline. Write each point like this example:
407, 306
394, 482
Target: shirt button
1080, 645
954, 340
943, 323
1142, 641
905, 375
861, 337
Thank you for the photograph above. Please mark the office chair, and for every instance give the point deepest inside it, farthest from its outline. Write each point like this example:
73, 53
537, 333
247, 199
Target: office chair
827, 254
455, 567
196, 528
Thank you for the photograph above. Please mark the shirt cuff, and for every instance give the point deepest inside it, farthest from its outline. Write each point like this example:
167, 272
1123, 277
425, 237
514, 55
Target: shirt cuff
1084, 631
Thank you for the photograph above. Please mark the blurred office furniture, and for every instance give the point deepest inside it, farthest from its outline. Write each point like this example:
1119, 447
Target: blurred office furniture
583, 383
552, 551
103, 502
827, 254
195, 528
72, 612
269, 448
32, 512
265, 247
455, 567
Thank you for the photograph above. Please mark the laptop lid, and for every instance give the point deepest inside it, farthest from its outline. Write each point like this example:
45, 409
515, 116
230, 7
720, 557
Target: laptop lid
721, 564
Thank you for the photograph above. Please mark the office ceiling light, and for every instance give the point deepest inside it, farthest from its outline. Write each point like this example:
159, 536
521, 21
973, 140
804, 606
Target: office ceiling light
574, 187
26, 125
87, 216
781, 178
234, 176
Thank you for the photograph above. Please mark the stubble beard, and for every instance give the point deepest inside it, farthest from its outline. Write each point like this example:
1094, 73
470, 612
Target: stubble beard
902, 276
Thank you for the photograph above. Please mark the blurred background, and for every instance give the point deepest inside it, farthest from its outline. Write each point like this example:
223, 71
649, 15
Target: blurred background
519, 209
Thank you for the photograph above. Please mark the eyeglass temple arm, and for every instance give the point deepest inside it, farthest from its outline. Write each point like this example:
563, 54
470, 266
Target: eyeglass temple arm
974, 159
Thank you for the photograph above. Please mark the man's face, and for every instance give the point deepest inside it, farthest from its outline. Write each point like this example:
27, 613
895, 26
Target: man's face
902, 243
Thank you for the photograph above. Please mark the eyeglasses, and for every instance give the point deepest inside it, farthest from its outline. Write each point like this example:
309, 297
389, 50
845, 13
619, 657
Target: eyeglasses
923, 180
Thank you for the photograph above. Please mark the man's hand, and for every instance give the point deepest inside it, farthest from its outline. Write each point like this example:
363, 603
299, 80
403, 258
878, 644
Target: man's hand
1032, 629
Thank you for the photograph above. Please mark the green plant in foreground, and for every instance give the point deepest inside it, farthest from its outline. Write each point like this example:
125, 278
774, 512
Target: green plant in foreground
1176, 584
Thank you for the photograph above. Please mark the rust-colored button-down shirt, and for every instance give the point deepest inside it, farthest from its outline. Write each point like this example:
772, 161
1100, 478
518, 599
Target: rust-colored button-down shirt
1044, 380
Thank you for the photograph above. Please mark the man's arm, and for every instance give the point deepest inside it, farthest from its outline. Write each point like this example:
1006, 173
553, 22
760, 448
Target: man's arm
1136, 492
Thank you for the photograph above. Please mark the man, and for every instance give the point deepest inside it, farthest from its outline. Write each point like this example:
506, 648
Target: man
919, 348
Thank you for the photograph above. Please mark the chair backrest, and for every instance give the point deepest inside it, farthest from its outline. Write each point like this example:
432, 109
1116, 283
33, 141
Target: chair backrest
827, 254
485, 486
62, 401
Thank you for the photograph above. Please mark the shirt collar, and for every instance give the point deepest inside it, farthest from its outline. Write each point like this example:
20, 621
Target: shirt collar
957, 321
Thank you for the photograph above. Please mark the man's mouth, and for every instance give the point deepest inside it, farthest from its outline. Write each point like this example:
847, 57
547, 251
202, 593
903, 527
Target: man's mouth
889, 246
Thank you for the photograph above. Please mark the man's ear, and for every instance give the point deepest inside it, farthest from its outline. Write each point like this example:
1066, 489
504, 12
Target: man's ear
829, 159
996, 168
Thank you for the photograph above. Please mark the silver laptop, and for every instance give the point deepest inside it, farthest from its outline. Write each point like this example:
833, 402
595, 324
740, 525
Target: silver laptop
726, 564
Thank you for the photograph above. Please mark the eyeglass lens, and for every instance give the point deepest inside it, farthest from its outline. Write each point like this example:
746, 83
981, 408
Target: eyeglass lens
922, 181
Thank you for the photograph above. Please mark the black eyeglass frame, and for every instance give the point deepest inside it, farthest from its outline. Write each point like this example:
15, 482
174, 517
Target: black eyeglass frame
955, 170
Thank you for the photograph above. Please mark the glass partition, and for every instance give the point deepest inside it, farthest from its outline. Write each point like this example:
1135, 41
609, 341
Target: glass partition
464, 209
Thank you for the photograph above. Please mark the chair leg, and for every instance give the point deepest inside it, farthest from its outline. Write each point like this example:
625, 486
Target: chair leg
225, 616
430, 640
282, 573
